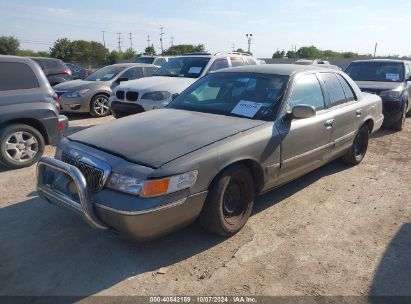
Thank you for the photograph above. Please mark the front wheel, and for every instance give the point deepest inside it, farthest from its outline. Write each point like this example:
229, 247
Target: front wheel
20, 146
229, 202
99, 106
357, 152
399, 125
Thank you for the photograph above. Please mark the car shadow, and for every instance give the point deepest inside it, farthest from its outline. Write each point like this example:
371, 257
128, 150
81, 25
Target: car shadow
383, 132
46, 250
393, 275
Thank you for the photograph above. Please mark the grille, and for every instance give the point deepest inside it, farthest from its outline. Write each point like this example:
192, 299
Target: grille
132, 96
94, 176
120, 95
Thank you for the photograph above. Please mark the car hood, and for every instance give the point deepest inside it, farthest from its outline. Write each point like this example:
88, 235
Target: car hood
157, 137
79, 85
377, 85
158, 83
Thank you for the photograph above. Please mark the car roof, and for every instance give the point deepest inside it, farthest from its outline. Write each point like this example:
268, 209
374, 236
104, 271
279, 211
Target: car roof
277, 69
383, 60
15, 58
128, 65
44, 58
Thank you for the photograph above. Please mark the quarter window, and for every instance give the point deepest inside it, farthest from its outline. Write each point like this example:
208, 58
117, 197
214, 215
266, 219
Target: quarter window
236, 61
348, 91
334, 89
133, 73
16, 76
307, 91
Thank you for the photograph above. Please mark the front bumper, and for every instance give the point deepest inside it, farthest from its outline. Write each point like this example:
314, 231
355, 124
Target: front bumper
121, 109
392, 110
75, 105
102, 211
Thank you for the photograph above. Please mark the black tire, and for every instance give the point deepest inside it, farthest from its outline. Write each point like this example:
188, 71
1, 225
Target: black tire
229, 202
19, 151
399, 125
98, 106
357, 152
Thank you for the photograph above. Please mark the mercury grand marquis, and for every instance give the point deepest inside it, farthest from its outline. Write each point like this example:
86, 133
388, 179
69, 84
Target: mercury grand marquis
229, 137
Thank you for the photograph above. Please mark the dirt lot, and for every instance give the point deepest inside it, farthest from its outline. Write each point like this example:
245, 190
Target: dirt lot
337, 231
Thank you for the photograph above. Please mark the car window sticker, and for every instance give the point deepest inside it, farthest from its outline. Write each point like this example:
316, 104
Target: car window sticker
195, 70
247, 108
392, 76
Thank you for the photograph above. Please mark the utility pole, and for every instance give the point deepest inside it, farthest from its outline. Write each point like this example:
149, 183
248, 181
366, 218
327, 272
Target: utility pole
104, 40
249, 37
233, 47
375, 49
131, 41
148, 40
119, 42
161, 40
172, 41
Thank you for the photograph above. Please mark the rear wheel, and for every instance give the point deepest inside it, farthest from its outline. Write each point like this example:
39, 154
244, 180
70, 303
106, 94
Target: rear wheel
20, 146
357, 152
99, 106
229, 202
399, 125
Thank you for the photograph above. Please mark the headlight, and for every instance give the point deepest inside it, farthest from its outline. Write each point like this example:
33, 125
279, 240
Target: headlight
157, 96
77, 94
152, 188
391, 94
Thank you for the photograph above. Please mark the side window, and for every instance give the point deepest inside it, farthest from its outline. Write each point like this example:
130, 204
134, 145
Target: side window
236, 61
133, 73
334, 88
16, 76
407, 71
219, 64
348, 91
150, 71
160, 61
307, 91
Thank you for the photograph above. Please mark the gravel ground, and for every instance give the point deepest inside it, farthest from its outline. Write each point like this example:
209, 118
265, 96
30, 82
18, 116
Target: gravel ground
339, 230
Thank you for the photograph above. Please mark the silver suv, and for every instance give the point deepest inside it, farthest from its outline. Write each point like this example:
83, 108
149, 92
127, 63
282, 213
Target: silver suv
170, 80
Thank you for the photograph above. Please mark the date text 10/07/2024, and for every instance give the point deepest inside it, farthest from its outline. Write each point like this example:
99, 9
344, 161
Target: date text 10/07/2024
236, 299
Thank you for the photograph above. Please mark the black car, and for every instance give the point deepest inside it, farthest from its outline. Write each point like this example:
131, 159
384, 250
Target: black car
29, 112
390, 79
55, 70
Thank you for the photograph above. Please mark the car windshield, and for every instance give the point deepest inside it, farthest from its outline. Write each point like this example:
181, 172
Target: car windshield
147, 60
190, 67
105, 74
376, 71
248, 95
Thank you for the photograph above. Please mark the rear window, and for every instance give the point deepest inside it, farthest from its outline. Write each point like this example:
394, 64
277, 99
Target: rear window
16, 76
147, 60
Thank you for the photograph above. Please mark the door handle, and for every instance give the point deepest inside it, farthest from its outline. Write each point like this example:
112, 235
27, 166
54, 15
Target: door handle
358, 113
329, 124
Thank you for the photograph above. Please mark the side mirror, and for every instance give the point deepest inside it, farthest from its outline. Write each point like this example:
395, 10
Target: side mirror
121, 79
303, 111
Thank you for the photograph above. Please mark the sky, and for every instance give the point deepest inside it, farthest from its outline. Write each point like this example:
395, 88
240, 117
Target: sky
349, 25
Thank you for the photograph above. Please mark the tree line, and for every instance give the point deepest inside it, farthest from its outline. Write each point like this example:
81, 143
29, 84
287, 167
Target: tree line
89, 52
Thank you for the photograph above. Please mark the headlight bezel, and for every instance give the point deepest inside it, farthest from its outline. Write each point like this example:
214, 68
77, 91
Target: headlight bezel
150, 188
156, 96
77, 93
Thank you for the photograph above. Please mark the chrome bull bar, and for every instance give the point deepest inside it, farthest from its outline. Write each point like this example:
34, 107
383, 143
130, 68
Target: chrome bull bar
84, 207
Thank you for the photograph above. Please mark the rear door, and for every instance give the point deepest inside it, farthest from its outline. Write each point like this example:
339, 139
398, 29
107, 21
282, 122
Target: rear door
306, 143
347, 112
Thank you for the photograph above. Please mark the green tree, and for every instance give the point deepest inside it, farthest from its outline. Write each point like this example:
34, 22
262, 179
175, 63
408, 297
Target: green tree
30, 53
114, 57
331, 54
291, 54
184, 48
62, 49
309, 52
129, 54
150, 51
9, 45
350, 55
240, 50
279, 54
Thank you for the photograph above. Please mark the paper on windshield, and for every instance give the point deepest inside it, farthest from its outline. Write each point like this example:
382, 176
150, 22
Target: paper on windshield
195, 70
392, 76
247, 108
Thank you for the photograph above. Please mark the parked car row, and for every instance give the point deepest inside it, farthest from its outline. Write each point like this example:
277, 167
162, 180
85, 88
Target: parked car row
226, 129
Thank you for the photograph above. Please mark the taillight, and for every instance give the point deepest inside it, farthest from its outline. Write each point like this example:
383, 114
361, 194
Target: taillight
61, 128
57, 100
68, 72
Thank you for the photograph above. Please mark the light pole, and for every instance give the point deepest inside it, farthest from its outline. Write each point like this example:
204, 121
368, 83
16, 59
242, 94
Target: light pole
249, 37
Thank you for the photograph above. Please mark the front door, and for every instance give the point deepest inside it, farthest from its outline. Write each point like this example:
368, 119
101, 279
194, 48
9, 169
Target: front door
306, 143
